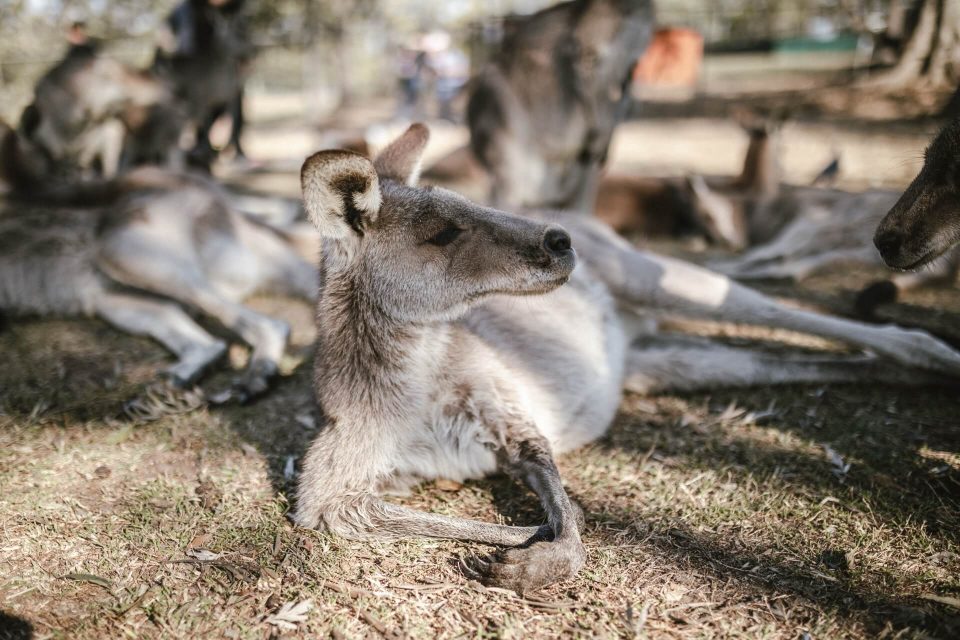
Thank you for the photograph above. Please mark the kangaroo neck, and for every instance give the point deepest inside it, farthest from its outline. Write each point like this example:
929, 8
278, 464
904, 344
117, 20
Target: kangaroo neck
368, 361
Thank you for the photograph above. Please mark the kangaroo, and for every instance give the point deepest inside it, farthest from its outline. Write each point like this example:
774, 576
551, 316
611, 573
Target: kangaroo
455, 340
92, 115
203, 53
716, 209
146, 246
541, 115
924, 223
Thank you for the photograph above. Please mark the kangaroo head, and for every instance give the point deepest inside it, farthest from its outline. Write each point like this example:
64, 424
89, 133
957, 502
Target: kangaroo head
422, 254
925, 221
722, 219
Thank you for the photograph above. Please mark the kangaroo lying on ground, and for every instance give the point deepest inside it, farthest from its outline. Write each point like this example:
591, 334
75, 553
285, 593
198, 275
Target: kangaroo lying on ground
455, 340
924, 224
155, 242
92, 115
793, 231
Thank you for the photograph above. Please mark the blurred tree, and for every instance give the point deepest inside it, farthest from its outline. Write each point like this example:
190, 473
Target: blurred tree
931, 55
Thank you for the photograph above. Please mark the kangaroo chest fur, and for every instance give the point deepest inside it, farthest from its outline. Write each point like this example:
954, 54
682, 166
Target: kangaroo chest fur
552, 362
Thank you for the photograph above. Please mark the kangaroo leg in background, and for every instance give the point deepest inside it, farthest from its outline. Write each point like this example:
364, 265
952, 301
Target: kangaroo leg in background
943, 271
236, 122
691, 364
801, 267
169, 325
140, 263
669, 286
266, 335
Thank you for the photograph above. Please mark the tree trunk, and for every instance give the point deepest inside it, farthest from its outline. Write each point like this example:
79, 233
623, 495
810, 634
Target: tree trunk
944, 67
917, 51
932, 54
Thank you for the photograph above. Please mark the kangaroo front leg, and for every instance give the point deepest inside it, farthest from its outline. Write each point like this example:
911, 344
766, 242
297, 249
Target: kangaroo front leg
526, 456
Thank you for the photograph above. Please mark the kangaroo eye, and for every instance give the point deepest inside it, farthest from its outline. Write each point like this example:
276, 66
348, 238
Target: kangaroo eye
445, 237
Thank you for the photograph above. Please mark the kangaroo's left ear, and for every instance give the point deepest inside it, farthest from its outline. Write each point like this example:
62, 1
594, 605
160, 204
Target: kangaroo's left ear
341, 193
401, 159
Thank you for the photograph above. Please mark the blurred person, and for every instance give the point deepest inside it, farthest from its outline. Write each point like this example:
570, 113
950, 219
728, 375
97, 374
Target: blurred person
412, 70
452, 70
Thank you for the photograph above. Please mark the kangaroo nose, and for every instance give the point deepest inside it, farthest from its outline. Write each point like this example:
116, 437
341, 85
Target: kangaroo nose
556, 241
888, 243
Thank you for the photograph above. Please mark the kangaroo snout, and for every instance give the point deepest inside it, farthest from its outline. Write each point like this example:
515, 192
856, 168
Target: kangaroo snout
888, 243
557, 243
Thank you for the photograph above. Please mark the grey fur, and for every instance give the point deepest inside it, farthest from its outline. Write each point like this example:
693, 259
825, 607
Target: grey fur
163, 242
541, 115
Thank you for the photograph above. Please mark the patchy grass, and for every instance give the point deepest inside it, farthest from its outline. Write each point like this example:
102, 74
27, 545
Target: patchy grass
709, 515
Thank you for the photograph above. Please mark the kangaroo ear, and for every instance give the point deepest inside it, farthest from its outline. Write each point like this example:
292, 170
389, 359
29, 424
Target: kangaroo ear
402, 158
341, 192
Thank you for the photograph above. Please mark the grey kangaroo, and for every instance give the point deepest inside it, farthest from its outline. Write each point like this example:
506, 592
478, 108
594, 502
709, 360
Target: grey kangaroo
455, 340
92, 115
141, 249
924, 223
541, 115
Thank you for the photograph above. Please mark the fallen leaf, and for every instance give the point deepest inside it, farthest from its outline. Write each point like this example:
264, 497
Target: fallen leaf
203, 555
102, 472
447, 485
89, 577
199, 540
290, 615
840, 468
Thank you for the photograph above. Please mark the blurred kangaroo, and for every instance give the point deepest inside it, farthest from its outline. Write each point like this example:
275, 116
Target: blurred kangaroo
92, 115
793, 231
455, 340
714, 208
541, 115
204, 51
145, 247
924, 223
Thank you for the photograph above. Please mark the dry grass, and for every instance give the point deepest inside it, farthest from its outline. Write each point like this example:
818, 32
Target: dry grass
708, 515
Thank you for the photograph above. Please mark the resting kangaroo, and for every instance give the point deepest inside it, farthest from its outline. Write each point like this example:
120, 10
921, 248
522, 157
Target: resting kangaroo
455, 340
156, 242
94, 115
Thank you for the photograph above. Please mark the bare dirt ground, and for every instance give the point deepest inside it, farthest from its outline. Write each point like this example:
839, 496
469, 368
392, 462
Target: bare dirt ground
791, 512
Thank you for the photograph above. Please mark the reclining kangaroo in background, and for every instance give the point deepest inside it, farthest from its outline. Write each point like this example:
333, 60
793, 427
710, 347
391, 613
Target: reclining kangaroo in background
542, 113
455, 340
795, 231
714, 208
152, 243
92, 115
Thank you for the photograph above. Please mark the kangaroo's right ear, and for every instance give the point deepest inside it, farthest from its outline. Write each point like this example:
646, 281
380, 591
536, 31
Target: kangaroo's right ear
341, 193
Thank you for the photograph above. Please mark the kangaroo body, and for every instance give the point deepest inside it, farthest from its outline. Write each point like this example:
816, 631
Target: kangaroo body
154, 244
541, 115
455, 340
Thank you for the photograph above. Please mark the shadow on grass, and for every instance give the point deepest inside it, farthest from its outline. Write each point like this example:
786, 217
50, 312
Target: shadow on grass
761, 570
893, 438
14, 628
